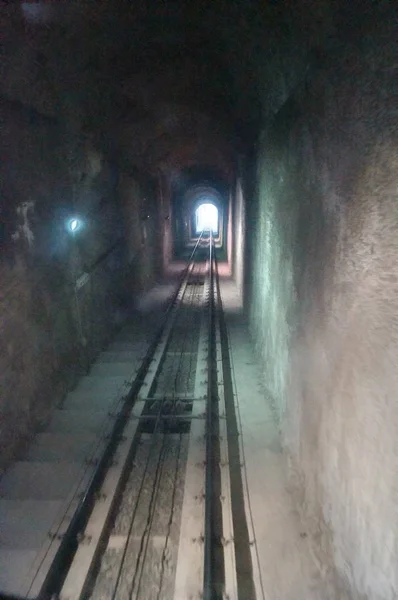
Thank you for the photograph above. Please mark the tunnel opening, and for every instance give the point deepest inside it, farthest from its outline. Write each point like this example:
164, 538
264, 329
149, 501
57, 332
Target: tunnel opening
200, 204
206, 218
206, 211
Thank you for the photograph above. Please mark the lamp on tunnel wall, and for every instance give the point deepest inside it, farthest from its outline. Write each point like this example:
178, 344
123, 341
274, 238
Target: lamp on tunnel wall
74, 225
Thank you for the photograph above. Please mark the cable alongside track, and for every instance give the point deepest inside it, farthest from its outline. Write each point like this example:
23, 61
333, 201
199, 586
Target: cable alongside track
161, 524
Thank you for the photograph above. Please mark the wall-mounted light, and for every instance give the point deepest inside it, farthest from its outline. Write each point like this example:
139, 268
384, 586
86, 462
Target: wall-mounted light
74, 224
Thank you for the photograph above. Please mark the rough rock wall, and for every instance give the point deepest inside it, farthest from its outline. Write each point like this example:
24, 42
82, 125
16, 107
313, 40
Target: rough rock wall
51, 328
61, 295
324, 300
140, 204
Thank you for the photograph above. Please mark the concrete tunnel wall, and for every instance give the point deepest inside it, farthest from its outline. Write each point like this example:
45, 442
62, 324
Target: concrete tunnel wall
323, 300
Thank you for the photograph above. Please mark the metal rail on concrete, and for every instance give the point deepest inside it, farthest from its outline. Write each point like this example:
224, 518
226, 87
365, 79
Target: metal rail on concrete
209, 533
218, 485
196, 574
109, 487
190, 561
59, 477
86, 555
227, 541
87, 549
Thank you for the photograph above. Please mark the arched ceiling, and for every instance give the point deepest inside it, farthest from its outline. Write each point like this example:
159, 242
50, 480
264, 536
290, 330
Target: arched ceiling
168, 85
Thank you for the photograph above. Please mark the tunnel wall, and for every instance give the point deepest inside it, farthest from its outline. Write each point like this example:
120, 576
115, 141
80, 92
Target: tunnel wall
143, 230
166, 220
50, 331
324, 300
61, 296
238, 236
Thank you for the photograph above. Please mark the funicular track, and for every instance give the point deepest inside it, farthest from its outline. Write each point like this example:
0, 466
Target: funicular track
161, 525
154, 520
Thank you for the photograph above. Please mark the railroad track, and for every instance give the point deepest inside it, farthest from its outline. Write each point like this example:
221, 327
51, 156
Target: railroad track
156, 521
162, 527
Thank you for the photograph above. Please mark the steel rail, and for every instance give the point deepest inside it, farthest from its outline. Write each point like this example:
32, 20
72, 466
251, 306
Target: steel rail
188, 581
158, 418
208, 583
145, 536
79, 521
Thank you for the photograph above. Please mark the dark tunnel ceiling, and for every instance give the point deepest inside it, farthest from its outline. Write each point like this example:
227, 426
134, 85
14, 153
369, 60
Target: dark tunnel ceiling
173, 84
204, 175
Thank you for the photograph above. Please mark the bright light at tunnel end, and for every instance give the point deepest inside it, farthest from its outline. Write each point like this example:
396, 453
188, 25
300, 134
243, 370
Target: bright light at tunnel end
206, 217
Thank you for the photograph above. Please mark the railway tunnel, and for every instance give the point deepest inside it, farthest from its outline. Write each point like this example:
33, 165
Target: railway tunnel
199, 235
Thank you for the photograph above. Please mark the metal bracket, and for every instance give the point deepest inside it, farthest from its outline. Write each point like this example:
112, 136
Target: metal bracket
224, 542
84, 539
198, 540
100, 496
55, 536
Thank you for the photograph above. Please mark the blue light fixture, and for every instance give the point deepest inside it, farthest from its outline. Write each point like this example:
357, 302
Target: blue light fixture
74, 224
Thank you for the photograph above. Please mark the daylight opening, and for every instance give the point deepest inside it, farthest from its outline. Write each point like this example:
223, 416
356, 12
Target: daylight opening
206, 218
